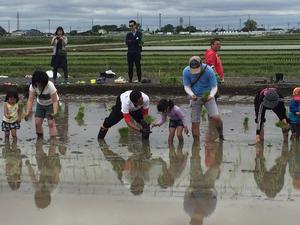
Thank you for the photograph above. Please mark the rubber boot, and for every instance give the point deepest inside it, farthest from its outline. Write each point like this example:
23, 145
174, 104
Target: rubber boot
102, 133
40, 136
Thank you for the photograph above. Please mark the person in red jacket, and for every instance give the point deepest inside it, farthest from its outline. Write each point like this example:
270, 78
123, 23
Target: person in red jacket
213, 59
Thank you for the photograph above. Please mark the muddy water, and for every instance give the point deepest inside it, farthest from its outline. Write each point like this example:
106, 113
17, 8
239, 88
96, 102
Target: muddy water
76, 180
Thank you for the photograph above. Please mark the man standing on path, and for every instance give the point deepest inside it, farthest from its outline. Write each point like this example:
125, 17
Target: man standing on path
134, 43
200, 84
213, 59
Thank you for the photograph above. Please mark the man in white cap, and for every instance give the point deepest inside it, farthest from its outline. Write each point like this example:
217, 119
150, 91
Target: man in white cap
200, 84
269, 99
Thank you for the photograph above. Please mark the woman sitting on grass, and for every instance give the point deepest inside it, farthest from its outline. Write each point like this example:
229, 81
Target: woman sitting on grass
177, 119
47, 102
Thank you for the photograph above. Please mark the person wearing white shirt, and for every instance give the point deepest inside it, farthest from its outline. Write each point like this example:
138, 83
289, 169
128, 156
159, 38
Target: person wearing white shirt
47, 102
129, 104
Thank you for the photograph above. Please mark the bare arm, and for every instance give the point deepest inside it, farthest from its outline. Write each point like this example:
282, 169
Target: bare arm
55, 102
133, 126
5, 111
29, 103
31, 174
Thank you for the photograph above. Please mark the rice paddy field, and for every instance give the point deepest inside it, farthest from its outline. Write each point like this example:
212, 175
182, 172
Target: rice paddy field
88, 62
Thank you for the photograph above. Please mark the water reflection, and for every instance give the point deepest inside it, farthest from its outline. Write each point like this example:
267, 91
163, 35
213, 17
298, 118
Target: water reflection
135, 170
270, 181
62, 125
200, 198
13, 164
178, 160
294, 164
46, 179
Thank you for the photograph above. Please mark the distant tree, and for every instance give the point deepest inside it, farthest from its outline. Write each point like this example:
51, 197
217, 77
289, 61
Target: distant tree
123, 27
178, 29
249, 25
2, 31
191, 29
95, 28
110, 27
168, 28
73, 32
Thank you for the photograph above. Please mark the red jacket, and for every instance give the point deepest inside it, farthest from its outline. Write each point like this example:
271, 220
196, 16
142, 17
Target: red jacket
212, 58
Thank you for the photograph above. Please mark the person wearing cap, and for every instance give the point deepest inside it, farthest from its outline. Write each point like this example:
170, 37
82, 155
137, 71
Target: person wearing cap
200, 84
213, 59
294, 114
129, 104
269, 99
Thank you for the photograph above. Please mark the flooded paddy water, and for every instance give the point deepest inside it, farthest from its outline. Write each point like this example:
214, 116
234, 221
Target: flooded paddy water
76, 180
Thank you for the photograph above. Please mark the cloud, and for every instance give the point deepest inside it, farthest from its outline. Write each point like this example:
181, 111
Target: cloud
80, 13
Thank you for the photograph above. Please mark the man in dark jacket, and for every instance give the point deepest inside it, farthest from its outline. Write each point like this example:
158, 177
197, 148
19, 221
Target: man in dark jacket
134, 43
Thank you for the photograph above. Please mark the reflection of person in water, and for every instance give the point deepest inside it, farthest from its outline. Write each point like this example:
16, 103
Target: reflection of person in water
135, 170
270, 182
49, 169
200, 198
13, 165
178, 161
62, 126
294, 164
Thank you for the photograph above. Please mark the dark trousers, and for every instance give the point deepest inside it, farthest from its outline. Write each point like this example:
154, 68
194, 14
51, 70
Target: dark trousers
59, 61
116, 115
135, 58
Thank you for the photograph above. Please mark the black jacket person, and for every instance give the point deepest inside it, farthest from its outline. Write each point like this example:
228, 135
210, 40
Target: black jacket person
269, 99
134, 44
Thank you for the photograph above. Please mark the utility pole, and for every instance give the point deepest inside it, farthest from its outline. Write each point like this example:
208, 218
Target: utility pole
298, 24
49, 26
288, 25
159, 21
8, 26
18, 21
189, 21
92, 23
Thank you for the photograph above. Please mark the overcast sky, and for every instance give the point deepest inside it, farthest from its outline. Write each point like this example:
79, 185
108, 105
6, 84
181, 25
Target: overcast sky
80, 15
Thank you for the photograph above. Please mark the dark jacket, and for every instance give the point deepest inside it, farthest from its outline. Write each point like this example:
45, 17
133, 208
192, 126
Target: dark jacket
260, 110
134, 42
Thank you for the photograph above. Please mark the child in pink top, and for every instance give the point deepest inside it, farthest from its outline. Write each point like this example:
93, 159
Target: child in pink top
177, 119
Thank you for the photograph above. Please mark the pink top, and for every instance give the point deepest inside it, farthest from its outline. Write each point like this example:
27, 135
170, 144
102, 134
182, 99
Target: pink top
175, 114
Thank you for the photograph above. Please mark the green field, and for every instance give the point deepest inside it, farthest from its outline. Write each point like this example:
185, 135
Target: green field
89, 62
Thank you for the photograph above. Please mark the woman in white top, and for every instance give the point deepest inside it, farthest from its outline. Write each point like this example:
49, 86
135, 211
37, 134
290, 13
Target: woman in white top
47, 102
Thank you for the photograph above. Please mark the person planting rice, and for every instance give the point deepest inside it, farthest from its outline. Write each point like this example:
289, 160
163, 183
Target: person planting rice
269, 99
129, 104
177, 119
47, 102
198, 79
